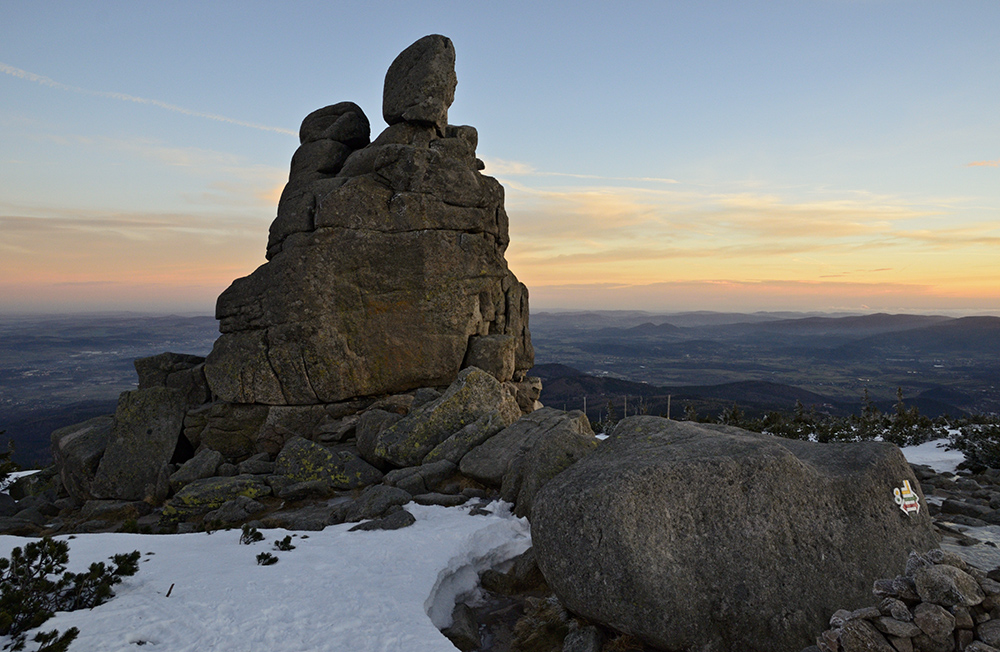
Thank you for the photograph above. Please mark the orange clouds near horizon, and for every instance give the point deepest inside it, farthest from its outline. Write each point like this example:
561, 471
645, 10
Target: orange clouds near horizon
737, 296
644, 245
116, 261
668, 247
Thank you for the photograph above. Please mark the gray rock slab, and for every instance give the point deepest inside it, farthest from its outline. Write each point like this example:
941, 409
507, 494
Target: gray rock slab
668, 521
153, 371
370, 425
77, 452
312, 518
231, 429
488, 463
374, 501
237, 510
464, 630
584, 639
302, 461
147, 425
543, 455
202, 465
394, 521
473, 395
302, 490
421, 479
455, 447
444, 500
208, 494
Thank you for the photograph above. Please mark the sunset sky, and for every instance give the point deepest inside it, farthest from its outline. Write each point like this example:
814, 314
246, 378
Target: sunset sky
667, 156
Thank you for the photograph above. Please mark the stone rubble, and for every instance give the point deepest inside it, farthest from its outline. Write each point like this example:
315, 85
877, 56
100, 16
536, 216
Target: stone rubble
940, 604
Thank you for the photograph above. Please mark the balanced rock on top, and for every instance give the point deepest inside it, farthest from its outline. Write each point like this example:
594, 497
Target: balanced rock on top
386, 263
420, 84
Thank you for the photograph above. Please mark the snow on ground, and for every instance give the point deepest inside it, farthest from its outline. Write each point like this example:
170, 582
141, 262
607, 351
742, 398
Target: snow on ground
935, 455
337, 591
353, 591
14, 476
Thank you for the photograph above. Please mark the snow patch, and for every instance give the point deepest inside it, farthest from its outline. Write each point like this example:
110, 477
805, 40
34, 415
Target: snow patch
14, 476
935, 454
379, 591
486, 548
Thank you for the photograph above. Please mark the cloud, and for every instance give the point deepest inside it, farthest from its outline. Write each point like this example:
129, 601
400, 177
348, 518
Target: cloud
502, 168
602, 218
637, 234
771, 294
978, 164
230, 180
51, 83
154, 150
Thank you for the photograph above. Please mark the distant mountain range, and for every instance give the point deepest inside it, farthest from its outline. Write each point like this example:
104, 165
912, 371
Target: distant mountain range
59, 370
571, 389
768, 361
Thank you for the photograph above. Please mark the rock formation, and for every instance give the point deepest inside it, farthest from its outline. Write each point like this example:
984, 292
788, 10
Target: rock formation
384, 331
386, 269
378, 358
718, 539
940, 603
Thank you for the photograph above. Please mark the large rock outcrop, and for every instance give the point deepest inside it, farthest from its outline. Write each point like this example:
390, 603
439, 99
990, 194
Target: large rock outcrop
386, 269
713, 538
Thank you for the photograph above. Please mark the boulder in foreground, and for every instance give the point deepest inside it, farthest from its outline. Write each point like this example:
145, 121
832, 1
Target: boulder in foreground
692, 536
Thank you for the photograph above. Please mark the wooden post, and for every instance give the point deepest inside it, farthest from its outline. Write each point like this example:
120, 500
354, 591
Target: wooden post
668, 405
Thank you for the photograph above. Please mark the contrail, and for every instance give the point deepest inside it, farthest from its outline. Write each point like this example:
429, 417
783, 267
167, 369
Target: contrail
46, 81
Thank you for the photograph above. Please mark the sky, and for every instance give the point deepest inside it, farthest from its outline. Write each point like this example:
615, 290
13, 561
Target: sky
838, 155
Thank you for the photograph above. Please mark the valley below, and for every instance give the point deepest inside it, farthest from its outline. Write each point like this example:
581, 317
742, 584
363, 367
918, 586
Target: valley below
60, 370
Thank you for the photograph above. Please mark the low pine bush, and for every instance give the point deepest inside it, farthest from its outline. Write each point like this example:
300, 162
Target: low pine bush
284, 544
34, 585
980, 442
250, 535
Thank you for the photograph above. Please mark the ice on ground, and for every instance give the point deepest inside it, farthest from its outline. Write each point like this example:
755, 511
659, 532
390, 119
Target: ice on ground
373, 591
984, 555
935, 454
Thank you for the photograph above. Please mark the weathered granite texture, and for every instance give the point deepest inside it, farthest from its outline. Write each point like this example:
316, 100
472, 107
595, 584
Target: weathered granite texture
712, 538
386, 263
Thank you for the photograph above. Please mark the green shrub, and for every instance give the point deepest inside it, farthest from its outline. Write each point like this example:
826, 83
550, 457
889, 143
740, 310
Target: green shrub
250, 535
34, 585
266, 559
284, 544
980, 442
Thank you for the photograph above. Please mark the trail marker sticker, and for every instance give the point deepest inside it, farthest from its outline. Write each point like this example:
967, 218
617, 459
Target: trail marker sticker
907, 500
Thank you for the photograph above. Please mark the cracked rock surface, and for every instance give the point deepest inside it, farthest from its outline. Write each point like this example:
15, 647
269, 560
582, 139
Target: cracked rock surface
386, 267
